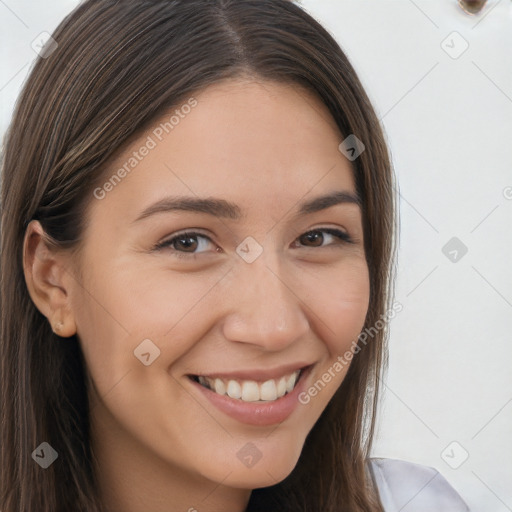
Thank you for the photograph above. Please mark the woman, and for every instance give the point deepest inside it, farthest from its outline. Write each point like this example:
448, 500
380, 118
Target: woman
197, 221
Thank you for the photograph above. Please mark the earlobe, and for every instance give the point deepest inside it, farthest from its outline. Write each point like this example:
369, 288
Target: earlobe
45, 272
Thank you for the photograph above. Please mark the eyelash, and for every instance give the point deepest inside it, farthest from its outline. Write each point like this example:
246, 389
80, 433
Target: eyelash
166, 244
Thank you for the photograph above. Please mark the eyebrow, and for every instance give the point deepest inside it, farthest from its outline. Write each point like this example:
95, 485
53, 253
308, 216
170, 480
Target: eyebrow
225, 209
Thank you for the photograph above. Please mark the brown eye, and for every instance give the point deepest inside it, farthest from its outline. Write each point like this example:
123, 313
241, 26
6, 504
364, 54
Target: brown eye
185, 244
316, 237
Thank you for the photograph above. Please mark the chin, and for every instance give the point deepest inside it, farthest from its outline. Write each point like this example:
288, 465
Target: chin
268, 467
257, 478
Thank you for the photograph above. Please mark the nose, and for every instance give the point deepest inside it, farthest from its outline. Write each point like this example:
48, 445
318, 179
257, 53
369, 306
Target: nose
265, 310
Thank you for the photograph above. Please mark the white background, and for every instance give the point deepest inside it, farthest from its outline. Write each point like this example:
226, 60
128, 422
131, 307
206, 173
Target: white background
449, 124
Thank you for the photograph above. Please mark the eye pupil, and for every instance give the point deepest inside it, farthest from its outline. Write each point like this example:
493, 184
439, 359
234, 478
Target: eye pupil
314, 236
186, 239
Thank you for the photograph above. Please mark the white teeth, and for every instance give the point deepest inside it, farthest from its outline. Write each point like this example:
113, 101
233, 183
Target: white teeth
290, 383
281, 386
220, 388
250, 390
234, 389
268, 390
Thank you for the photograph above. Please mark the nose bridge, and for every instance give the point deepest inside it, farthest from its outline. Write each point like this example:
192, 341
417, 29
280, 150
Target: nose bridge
264, 309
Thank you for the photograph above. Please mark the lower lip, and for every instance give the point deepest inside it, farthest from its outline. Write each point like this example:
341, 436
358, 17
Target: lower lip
257, 413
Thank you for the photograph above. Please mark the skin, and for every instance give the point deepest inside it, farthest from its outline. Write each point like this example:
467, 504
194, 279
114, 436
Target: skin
159, 444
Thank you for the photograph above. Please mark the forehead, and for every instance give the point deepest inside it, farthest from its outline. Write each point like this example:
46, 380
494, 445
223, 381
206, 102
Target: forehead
257, 143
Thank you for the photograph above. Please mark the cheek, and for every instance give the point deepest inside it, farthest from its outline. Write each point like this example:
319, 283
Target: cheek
125, 305
340, 305
136, 300
339, 300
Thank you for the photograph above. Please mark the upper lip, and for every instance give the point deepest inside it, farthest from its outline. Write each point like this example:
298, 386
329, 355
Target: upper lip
257, 374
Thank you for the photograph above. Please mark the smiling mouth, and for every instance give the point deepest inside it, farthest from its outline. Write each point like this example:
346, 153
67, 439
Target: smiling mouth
250, 390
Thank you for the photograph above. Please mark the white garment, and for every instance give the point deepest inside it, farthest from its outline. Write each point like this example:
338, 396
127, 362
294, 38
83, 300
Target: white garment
407, 487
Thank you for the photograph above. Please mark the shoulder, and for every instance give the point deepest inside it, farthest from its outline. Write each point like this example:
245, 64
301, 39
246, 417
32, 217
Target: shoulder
407, 487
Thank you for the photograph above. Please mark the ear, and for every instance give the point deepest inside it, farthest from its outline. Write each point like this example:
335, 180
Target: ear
48, 280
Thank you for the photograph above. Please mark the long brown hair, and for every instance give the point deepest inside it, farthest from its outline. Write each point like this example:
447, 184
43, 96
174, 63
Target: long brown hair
117, 67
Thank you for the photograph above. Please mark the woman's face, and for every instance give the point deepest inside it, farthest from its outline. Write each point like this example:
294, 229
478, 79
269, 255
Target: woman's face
245, 299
